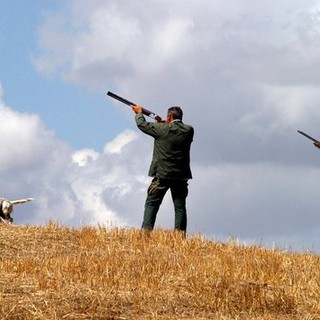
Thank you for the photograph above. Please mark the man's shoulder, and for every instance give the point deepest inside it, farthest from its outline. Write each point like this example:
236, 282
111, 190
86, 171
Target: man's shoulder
188, 127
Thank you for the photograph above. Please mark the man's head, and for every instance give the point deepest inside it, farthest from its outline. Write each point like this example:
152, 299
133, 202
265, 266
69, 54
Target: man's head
174, 113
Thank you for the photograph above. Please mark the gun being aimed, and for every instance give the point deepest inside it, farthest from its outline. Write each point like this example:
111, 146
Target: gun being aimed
129, 103
315, 141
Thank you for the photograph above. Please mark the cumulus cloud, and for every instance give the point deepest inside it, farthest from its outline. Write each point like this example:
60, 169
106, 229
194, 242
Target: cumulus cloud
23, 139
71, 187
83, 157
246, 77
117, 145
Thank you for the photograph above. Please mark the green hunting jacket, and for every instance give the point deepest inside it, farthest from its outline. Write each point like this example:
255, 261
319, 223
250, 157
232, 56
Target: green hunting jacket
171, 149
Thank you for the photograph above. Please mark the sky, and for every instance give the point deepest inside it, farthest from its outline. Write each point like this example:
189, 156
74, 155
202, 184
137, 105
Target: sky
246, 73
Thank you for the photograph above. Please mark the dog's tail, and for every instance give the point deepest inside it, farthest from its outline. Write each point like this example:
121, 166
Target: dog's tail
13, 202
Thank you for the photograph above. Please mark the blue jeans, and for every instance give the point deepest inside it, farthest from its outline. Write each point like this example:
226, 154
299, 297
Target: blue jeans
156, 193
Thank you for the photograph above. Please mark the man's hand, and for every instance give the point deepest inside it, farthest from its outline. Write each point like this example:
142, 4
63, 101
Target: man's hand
317, 144
137, 109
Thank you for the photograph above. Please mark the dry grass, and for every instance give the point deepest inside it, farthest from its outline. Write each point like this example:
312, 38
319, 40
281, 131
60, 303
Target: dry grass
54, 272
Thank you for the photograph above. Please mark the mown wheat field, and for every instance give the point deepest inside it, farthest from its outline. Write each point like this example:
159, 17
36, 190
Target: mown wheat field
55, 272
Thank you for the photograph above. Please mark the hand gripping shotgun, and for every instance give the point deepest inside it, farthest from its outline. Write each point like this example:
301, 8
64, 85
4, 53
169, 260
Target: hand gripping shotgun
129, 103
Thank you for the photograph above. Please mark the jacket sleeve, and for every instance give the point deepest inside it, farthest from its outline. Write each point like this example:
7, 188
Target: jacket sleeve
150, 128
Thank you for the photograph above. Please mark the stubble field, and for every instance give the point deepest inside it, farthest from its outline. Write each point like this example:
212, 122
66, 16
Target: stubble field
55, 272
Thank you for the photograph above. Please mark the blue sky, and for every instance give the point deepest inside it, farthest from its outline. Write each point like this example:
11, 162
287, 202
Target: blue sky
77, 115
246, 76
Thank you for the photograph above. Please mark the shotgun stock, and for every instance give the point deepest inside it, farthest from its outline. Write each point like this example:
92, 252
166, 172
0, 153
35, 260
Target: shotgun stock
129, 103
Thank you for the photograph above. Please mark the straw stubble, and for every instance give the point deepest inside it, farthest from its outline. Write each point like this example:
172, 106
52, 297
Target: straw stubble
55, 272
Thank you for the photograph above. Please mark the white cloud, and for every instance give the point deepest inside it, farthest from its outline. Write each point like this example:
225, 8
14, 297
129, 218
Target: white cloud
260, 202
70, 187
23, 140
116, 146
246, 75
84, 157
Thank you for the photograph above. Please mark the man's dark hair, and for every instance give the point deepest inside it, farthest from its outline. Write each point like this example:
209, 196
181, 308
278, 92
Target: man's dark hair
175, 112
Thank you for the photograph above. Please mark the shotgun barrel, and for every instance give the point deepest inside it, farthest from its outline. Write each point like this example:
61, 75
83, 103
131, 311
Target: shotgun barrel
130, 103
307, 136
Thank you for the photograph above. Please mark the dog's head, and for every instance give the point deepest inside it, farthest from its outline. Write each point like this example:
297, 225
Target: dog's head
7, 209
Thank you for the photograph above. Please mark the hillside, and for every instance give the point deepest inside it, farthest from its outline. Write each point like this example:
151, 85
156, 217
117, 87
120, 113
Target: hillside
54, 272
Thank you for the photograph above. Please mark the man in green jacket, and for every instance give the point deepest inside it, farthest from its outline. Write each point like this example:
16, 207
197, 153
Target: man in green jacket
170, 166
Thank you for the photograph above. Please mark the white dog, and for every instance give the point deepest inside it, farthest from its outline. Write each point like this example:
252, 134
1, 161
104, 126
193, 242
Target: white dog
6, 208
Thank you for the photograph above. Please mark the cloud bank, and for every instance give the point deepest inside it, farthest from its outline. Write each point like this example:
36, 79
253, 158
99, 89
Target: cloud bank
70, 187
247, 78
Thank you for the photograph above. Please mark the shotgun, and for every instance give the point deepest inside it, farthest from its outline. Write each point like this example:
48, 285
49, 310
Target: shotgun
309, 137
129, 103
